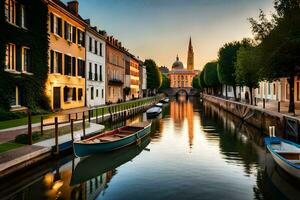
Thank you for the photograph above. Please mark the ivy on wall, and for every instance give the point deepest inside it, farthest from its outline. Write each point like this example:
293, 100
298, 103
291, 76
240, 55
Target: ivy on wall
36, 38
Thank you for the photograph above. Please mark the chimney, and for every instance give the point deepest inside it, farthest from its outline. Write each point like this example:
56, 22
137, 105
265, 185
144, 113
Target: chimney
88, 21
73, 6
116, 42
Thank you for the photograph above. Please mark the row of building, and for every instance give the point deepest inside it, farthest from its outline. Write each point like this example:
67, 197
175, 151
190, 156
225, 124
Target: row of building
84, 67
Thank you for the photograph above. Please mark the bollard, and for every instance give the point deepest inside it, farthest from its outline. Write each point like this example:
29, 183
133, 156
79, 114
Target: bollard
29, 127
56, 135
42, 124
83, 125
72, 130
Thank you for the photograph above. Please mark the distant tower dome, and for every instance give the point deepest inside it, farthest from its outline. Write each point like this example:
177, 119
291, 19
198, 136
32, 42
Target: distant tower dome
177, 64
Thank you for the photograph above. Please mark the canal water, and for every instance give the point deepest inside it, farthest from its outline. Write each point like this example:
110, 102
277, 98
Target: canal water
195, 151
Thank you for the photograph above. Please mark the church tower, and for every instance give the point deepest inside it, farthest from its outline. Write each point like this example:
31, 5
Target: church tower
190, 58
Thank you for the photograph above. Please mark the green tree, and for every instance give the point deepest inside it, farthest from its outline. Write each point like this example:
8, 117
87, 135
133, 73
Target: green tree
280, 45
211, 76
195, 82
165, 82
154, 77
247, 68
201, 81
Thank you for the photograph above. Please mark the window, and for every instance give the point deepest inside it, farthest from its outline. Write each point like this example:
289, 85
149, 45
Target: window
274, 89
96, 47
80, 37
80, 94
92, 93
269, 88
23, 19
96, 72
102, 93
73, 69
68, 31
100, 71
68, 94
80, 69
100, 49
15, 100
74, 34
10, 57
26, 59
90, 72
55, 24
287, 91
74, 94
10, 11
55, 62
90, 44
97, 93
68, 65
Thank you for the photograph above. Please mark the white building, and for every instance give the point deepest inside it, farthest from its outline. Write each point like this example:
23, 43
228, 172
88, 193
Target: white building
143, 80
95, 67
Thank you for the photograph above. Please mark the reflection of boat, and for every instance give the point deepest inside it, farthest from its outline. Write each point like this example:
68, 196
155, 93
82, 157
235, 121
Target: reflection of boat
96, 165
153, 112
112, 140
285, 153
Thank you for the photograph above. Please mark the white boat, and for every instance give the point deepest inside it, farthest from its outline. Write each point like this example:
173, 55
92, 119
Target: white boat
285, 153
153, 112
165, 100
159, 105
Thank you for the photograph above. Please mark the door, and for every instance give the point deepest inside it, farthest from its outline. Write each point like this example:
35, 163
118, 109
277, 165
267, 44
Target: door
56, 98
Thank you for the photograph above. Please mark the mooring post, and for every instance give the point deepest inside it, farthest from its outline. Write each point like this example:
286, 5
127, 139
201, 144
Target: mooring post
69, 117
56, 135
72, 130
83, 125
89, 115
264, 103
29, 127
278, 108
42, 124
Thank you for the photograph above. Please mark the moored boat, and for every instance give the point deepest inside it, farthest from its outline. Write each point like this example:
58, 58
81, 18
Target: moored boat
165, 100
153, 112
112, 140
159, 105
285, 153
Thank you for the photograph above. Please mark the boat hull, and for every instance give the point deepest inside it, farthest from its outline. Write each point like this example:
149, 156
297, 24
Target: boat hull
82, 150
286, 165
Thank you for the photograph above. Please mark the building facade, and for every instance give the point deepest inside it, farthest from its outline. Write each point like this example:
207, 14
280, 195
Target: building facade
115, 70
66, 79
143, 79
95, 67
24, 52
132, 76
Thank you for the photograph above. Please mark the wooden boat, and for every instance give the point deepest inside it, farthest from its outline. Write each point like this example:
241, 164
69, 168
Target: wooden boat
285, 153
112, 140
153, 112
95, 165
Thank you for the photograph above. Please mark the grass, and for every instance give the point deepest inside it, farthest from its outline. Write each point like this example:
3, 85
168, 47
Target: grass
19, 122
9, 146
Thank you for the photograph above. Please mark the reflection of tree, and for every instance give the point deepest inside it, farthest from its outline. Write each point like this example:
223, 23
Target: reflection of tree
233, 145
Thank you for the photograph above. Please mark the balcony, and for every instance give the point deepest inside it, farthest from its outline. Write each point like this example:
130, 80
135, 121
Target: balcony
116, 82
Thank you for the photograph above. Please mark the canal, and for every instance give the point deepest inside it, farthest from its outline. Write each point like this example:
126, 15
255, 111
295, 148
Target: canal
194, 151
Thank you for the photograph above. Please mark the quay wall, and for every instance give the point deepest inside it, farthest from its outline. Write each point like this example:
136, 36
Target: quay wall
255, 116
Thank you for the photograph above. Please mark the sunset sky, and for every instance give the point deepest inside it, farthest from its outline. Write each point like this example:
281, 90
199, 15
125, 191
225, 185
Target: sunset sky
160, 29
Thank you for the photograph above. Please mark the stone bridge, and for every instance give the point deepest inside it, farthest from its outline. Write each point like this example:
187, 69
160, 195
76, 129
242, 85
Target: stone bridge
175, 91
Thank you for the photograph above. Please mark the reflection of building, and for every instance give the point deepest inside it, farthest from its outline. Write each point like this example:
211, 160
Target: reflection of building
181, 77
180, 111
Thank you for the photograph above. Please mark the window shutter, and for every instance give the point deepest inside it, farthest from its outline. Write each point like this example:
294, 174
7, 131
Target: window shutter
51, 61
66, 91
74, 94
59, 64
66, 30
83, 39
73, 66
74, 34
51, 22
59, 26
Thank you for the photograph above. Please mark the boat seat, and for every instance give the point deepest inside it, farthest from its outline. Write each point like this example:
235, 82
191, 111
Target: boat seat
108, 138
126, 132
121, 135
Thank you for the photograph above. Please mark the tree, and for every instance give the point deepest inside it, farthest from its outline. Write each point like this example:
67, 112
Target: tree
195, 82
247, 68
211, 75
280, 46
201, 80
165, 82
154, 78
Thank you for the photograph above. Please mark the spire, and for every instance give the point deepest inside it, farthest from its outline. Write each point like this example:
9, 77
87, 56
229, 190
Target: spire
190, 60
177, 58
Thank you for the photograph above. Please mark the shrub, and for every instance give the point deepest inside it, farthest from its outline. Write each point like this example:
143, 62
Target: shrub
23, 138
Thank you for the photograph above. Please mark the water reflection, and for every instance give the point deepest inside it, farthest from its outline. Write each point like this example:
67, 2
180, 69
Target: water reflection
206, 154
